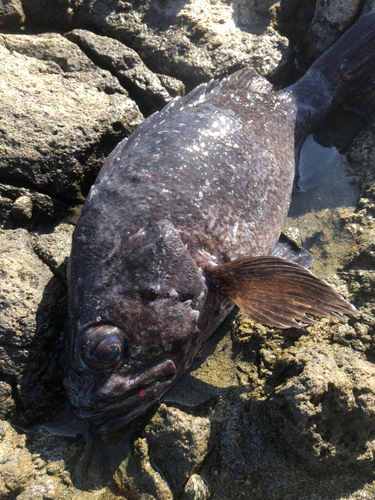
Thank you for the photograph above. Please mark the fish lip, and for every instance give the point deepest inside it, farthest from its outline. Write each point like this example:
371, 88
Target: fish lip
130, 407
105, 427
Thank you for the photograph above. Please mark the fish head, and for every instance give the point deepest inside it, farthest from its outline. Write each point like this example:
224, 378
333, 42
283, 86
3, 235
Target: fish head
134, 323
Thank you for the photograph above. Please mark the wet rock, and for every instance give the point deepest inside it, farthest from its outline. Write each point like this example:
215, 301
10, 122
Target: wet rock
146, 88
196, 488
325, 411
11, 14
74, 115
32, 317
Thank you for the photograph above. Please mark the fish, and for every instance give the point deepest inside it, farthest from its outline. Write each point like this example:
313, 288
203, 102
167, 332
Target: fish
183, 223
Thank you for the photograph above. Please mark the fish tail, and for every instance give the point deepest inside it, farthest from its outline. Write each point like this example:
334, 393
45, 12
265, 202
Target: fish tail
346, 67
349, 65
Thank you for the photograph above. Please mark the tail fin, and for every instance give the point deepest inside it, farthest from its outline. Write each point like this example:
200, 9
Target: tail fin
349, 65
346, 67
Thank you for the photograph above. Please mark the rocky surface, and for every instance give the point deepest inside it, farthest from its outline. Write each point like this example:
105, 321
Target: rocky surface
11, 13
33, 298
191, 41
150, 90
61, 115
263, 413
331, 19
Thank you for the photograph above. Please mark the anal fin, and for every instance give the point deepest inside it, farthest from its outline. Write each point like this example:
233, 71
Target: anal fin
278, 292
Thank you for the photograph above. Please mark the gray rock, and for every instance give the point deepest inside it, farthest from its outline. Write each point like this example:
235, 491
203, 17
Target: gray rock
74, 115
53, 248
332, 18
368, 6
8, 406
11, 14
56, 15
146, 88
192, 41
32, 317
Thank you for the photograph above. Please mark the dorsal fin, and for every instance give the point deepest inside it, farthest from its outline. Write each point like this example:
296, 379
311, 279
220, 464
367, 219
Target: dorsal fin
247, 79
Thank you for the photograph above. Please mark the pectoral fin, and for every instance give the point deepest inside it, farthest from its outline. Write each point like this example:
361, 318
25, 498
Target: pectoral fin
277, 292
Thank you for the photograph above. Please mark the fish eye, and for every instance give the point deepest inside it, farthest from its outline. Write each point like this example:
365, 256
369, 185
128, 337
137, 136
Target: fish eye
104, 346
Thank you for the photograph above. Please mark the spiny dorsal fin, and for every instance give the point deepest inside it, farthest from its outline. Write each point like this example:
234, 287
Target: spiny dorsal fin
277, 292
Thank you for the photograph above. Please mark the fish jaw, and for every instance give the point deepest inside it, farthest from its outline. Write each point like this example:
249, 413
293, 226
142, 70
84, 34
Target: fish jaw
139, 394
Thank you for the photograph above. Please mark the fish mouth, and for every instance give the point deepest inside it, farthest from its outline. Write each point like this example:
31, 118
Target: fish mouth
144, 391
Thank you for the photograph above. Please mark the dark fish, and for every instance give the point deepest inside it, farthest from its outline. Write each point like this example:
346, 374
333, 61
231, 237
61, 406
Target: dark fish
181, 224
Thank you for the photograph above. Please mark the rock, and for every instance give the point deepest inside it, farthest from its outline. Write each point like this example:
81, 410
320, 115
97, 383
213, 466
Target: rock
324, 413
45, 209
53, 248
33, 314
192, 41
195, 41
56, 15
368, 6
173, 445
293, 19
74, 115
11, 14
42, 207
332, 18
7, 402
146, 88
22, 208
37, 471
196, 488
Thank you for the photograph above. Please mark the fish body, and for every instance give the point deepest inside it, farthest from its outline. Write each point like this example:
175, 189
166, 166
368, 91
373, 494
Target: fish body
181, 224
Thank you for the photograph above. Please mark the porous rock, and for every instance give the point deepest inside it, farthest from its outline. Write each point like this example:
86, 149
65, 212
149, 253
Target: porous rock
61, 116
41, 207
325, 411
144, 86
37, 471
32, 315
173, 445
191, 41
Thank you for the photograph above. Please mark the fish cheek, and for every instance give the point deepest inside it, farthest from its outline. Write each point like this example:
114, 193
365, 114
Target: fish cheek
181, 334
157, 331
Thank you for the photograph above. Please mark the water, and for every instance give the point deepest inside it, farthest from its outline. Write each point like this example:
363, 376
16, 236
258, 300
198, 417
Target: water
318, 213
